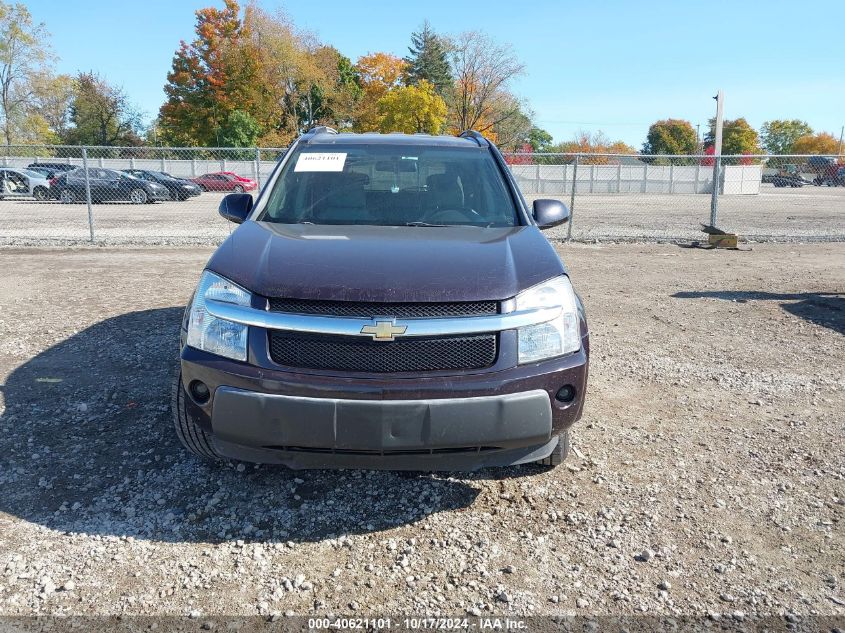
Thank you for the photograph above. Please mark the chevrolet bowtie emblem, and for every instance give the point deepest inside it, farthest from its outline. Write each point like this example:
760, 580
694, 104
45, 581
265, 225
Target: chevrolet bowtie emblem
384, 329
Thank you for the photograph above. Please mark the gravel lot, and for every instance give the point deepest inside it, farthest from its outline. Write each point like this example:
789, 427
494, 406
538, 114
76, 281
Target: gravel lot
708, 473
809, 213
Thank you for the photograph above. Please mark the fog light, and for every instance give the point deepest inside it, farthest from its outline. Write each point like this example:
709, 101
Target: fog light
565, 394
199, 391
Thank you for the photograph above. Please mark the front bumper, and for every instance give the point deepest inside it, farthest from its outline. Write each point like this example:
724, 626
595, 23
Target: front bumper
325, 431
456, 422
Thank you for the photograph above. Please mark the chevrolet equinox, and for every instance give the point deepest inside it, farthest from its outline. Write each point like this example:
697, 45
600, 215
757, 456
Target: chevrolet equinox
387, 302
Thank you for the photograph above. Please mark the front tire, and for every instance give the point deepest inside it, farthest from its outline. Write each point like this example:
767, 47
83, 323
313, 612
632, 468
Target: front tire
559, 454
41, 194
138, 196
67, 196
192, 437
238, 189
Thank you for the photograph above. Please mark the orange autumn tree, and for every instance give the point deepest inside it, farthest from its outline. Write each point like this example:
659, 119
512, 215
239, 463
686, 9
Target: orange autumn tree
207, 81
821, 143
594, 143
377, 74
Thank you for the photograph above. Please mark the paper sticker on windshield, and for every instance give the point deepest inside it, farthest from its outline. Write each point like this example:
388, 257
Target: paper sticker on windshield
320, 161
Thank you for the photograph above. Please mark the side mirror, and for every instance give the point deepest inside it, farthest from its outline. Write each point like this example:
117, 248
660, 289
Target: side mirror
235, 207
549, 213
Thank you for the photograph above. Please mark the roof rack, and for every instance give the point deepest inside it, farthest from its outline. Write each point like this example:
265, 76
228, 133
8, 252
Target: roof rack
320, 129
479, 138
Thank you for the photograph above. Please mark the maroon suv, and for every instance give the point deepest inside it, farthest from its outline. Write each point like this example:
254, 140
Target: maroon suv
387, 302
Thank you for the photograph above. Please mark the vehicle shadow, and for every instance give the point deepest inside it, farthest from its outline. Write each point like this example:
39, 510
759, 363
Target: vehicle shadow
822, 308
87, 446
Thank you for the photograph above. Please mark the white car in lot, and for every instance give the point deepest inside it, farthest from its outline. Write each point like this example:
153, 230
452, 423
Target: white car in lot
23, 183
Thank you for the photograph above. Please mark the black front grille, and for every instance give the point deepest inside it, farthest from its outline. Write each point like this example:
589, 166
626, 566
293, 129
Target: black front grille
409, 355
395, 310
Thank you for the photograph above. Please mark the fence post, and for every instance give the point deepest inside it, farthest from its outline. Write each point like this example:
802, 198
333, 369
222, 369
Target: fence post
572, 198
88, 192
717, 162
258, 167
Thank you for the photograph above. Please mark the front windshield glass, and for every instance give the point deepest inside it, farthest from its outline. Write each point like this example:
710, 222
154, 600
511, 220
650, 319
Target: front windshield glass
31, 174
391, 185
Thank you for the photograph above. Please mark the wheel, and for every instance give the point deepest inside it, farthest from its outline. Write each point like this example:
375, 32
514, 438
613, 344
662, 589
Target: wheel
41, 194
238, 189
67, 196
560, 452
190, 435
138, 196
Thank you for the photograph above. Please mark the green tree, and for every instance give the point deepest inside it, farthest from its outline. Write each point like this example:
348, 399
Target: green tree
738, 137
671, 136
429, 60
24, 54
100, 114
412, 109
540, 140
779, 136
239, 130
54, 95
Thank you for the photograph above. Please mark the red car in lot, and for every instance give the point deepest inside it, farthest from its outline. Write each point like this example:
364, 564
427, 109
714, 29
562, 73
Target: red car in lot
225, 181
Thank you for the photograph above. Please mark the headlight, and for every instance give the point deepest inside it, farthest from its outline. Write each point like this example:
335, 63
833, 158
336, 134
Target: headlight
207, 332
553, 338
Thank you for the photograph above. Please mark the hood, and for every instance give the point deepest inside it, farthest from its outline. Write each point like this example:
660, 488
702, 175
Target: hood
385, 263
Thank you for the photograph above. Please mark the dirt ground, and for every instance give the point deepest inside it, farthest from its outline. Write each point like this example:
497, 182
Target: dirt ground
708, 475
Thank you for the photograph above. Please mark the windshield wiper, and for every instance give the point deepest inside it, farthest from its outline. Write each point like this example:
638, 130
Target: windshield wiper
424, 224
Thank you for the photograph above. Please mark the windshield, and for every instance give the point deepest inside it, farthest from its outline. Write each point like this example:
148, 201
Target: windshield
32, 174
391, 185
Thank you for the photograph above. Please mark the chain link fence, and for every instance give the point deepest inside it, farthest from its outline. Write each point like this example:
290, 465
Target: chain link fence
124, 195
634, 197
164, 195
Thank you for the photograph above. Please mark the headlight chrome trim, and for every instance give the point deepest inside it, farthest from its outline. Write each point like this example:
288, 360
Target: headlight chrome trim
343, 326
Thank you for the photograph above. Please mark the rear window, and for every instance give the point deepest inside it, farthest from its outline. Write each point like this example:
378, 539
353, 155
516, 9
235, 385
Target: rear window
391, 185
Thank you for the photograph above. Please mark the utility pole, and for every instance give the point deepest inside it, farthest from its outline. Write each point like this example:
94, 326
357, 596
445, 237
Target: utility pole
841, 134
717, 158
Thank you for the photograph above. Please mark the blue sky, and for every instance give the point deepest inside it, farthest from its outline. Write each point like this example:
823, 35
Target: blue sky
614, 65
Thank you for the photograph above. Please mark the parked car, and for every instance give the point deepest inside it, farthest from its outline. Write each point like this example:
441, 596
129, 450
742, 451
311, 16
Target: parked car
225, 181
179, 188
23, 183
44, 171
790, 180
106, 185
836, 179
51, 170
389, 303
